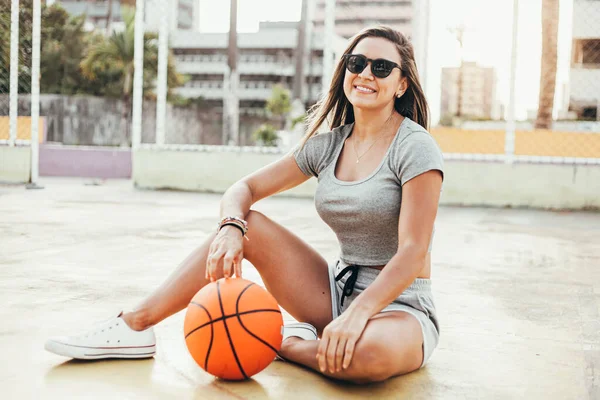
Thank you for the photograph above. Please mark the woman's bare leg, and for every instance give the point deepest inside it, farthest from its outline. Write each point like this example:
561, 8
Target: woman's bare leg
292, 271
391, 345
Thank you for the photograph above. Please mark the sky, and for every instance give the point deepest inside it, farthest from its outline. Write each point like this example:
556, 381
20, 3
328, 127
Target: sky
487, 40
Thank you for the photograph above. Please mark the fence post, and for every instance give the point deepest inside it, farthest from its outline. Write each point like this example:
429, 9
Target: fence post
35, 94
509, 138
161, 79
328, 44
14, 71
138, 76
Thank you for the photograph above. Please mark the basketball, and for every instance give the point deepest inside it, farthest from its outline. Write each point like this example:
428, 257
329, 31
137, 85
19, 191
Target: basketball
233, 328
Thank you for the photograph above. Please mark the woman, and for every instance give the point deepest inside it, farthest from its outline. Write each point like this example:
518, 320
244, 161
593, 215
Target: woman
380, 177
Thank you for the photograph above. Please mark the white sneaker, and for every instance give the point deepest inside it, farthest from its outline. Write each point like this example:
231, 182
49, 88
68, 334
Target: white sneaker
110, 339
303, 330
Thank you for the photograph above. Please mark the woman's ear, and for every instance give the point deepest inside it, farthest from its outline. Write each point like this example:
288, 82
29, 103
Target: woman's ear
402, 87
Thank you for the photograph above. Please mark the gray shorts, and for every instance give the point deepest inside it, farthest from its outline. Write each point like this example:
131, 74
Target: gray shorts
416, 300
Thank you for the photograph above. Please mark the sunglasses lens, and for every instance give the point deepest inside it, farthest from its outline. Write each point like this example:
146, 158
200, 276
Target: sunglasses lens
381, 68
356, 64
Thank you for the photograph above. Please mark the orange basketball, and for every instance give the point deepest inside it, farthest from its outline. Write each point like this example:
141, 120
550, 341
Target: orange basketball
233, 328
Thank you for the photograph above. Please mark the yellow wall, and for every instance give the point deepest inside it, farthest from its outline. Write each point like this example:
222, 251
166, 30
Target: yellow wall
531, 143
451, 140
454, 140
559, 144
23, 128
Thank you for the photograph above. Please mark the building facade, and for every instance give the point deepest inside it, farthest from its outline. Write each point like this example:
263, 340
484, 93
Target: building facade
353, 15
477, 94
266, 58
584, 76
182, 14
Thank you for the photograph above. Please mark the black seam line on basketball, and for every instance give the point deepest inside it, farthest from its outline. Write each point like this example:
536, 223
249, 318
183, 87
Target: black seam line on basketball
230, 316
212, 333
237, 360
237, 307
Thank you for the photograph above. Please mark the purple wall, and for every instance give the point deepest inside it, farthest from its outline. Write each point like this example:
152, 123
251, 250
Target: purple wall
82, 161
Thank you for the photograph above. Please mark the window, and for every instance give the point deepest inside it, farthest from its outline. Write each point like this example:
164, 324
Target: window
586, 52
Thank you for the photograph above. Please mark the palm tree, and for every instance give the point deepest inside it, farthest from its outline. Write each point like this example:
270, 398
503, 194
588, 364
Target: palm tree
549, 60
117, 51
109, 17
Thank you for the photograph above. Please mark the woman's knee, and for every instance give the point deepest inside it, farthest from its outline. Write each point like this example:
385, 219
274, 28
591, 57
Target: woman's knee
370, 363
254, 216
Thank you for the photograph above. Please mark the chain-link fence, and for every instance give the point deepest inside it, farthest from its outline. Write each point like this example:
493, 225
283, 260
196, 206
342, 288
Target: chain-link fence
16, 30
499, 92
524, 92
539, 101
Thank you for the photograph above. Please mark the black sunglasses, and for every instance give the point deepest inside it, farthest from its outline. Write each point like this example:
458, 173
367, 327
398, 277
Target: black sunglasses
380, 67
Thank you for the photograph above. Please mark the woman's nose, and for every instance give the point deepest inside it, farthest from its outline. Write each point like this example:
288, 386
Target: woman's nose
366, 73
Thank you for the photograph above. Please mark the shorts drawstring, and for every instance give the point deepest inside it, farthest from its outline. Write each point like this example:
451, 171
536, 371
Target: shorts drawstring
350, 282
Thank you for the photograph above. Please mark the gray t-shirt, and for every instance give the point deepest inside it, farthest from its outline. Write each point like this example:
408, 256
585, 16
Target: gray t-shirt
364, 214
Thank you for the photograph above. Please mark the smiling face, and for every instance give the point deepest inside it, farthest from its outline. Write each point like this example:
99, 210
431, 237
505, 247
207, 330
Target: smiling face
364, 90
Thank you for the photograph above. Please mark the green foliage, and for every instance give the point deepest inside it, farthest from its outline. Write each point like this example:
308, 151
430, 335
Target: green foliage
73, 61
280, 102
116, 53
181, 101
298, 120
63, 44
24, 50
447, 119
266, 135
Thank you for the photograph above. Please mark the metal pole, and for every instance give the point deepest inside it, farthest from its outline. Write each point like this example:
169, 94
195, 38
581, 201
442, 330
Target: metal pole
35, 93
161, 79
425, 46
309, 50
231, 83
299, 78
509, 139
14, 71
138, 76
328, 44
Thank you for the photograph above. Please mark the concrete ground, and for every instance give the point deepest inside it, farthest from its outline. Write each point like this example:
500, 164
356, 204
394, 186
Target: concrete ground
518, 293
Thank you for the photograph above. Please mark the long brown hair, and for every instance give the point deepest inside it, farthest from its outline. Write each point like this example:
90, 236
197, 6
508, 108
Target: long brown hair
335, 105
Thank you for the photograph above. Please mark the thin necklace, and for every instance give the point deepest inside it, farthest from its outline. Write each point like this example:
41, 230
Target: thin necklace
372, 144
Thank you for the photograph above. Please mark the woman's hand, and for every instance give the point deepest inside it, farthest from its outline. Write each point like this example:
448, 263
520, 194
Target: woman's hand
339, 338
228, 246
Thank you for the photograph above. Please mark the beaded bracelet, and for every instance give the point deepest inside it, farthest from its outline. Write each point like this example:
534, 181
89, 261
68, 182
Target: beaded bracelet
236, 225
237, 222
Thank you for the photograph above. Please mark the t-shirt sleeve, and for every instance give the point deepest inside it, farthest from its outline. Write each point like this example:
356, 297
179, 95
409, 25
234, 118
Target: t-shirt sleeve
417, 154
311, 158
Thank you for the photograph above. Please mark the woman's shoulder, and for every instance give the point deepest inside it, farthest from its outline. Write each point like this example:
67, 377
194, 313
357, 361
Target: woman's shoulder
413, 135
330, 138
319, 150
416, 152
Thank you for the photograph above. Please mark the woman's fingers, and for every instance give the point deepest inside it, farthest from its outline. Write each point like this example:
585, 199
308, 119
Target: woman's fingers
331, 350
322, 351
348, 353
339, 354
207, 266
213, 263
228, 261
238, 266
336, 347
228, 251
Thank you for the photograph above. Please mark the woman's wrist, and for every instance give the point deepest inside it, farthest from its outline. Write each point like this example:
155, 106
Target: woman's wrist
232, 230
363, 307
